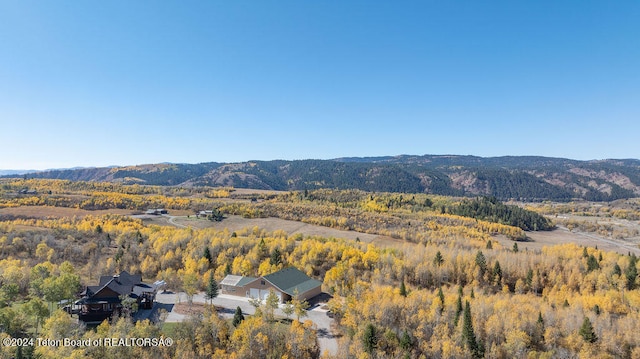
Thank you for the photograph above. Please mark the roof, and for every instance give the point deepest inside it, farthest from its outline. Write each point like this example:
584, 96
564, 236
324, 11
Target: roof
236, 280
122, 283
231, 280
245, 280
290, 280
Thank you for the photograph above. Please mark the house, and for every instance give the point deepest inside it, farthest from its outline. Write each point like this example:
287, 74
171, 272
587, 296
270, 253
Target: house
28, 191
102, 301
156, 211
285, 283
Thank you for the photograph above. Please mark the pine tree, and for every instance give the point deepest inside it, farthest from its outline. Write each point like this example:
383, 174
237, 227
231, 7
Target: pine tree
458, 311
238, 317
207, 256
468, 335
592, 263
276, 257
489, 244
631, 273
403, 289
212, 289
586, 331
369, 339
405, 341
497, 272
540, 320
617, 270
537, 337
438, 260
515, 247
481, 262
529, 279
262, 249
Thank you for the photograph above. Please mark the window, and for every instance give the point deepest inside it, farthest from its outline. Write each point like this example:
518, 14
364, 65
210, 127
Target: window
262, 282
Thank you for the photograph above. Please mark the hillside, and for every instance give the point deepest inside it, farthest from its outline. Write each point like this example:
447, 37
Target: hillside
393, 286
511, 177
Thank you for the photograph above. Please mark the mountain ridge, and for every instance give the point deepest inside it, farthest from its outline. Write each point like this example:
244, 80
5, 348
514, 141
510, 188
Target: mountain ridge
529, 178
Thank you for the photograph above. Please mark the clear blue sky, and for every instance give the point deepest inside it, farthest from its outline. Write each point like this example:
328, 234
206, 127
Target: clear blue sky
96, 83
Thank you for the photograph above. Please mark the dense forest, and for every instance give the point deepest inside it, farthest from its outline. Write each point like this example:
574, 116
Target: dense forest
492, 210
517, 178
447, 290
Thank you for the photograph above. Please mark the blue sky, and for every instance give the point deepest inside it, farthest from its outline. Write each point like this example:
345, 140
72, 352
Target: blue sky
133, 82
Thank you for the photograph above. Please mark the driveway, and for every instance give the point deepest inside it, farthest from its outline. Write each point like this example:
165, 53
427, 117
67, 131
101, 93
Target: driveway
326, 339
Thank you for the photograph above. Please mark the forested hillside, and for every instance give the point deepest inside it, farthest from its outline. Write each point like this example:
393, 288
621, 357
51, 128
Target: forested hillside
518, 178
445, 288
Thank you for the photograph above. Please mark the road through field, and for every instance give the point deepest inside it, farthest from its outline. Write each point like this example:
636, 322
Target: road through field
562, 235
537, 240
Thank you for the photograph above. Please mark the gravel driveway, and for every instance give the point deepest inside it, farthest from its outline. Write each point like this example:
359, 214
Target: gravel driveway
326, 339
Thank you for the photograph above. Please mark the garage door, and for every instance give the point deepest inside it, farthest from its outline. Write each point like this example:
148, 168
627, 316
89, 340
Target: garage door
254, 293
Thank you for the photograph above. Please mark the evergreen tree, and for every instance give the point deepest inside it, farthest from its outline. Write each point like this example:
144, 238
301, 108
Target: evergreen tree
631, 273
497, 273
212, 289
468, 335
529, 279
276, 257
441, 297
207, 255
262, 248
238, 317
458, 311
438, 260
592, 263
585, 254
537, 337
616, 270
515, 247
405, 341
403, 289
369, 339
481, 262
586, 331
489, 244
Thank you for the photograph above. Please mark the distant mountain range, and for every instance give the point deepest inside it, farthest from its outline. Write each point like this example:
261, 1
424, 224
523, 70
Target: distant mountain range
511, 177
15, 172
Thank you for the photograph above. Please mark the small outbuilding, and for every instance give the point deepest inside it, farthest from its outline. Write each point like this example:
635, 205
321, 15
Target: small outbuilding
286, 284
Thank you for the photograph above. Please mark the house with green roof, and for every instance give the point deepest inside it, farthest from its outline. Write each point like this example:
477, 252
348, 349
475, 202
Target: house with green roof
286, 284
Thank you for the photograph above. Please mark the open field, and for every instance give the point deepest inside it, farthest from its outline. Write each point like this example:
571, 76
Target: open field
57, 212
541, 239
537, 239
236, 223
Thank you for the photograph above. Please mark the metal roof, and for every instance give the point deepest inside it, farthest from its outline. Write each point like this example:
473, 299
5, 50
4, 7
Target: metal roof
236, 280
231, 280
290, 280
